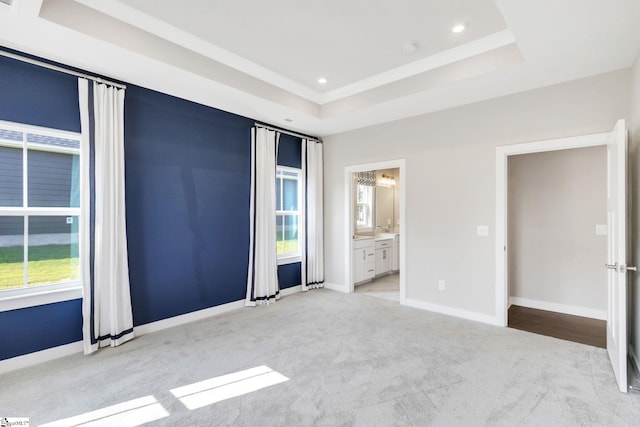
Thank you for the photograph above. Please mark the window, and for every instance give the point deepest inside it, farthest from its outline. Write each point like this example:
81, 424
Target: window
288, 199
364, 207
39, 209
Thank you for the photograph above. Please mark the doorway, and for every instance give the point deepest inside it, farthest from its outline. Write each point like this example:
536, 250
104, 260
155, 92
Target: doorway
556, 243
502, 158
394, 224
617, 237
377, 214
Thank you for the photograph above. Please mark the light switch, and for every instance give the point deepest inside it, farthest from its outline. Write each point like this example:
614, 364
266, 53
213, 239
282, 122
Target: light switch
483, 230
601, 229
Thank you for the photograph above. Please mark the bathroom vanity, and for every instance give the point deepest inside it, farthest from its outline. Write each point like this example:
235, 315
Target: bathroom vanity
375, 256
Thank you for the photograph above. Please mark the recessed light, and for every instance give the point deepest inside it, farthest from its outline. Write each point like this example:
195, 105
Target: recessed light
322, 81
458, 28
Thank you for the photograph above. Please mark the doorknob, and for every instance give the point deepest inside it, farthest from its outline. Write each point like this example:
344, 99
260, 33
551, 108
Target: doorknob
621, 268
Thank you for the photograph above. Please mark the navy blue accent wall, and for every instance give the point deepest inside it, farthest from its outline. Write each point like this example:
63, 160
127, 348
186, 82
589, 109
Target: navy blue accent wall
289, 151
187, 195
38, 96
289, 275
32, 329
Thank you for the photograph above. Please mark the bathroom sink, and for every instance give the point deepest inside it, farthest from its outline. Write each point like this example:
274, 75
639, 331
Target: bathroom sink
384, 236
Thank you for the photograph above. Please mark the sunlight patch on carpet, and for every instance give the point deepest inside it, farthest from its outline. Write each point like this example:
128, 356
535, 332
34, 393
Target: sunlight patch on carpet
131, 413
228, 386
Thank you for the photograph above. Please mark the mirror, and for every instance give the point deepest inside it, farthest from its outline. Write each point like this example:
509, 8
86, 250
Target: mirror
384, 208
386, 201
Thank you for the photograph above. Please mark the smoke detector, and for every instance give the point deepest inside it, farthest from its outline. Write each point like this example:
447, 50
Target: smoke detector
409, 47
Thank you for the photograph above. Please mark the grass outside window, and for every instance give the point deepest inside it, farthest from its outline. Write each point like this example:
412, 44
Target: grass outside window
287, 246
47, 264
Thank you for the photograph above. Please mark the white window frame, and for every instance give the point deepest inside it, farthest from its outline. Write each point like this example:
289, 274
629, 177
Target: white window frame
42, 293
292, 257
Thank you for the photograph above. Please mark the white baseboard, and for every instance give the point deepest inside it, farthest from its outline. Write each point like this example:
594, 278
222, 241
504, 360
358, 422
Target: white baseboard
559, 308
336, 287
183, 319
31, 359
450, 311
200, 314
290, 291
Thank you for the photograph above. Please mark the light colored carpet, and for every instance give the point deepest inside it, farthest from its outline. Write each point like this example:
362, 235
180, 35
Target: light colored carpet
349, 360
387, 287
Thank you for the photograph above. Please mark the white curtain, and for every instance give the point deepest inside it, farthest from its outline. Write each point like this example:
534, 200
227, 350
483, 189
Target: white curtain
262, 276
313, 255
106, 304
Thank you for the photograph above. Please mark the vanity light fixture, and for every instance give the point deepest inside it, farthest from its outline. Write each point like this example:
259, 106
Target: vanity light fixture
458, 28
387, 181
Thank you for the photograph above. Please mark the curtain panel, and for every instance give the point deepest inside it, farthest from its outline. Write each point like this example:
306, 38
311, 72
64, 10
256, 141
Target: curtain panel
313, 254
262, 275
106, 303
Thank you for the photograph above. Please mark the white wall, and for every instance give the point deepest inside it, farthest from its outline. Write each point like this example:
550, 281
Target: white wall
555, 200
634, 169
450, 179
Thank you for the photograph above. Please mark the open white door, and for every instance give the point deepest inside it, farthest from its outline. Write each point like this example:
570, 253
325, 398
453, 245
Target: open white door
617, 252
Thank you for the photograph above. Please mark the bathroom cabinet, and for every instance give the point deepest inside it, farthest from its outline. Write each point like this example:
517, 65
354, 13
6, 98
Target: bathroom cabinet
364, 261
384, 256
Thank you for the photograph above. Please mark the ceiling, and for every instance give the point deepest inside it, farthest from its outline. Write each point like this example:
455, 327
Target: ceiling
263, 59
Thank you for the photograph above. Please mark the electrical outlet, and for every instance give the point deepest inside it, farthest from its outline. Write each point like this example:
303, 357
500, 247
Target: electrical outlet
601, 229
482, 230
441, 285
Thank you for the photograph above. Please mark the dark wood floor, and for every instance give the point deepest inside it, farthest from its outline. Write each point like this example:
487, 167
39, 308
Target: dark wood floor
564, 326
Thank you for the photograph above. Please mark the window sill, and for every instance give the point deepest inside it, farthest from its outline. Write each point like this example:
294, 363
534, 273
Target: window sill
43, 297
289, 260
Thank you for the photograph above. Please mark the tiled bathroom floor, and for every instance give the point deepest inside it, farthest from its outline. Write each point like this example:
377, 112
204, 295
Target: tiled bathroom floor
387, 287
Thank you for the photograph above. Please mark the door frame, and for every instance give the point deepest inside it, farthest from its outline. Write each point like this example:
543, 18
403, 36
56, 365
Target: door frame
349, 213
502, 157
